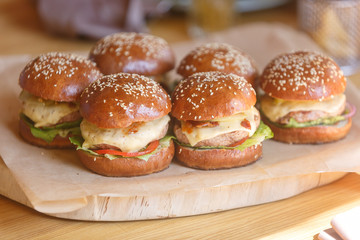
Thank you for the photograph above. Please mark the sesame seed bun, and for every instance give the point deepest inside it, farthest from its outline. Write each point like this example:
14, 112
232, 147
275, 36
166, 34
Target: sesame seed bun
118, 100
58, 76
302, 75
208, 95
133, 53
310, 135
217, 158
57, 142
128, 167
220, 57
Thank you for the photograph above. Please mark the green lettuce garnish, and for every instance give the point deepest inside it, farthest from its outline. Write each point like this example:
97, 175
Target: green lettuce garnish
321, 121
318, 122
163, 143
49, 133
261, 134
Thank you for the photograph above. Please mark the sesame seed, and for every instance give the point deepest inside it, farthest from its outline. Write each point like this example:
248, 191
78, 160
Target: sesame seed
129, 89
301, 73
223, 57
123, 43
55, 63
200, 88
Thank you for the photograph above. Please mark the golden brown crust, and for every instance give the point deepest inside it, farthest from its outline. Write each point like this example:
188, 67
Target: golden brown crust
128, 167
133, 53
302, 76
58, 142
220, 57
217, 158
118, 100
309, 135
58, 76
208, 95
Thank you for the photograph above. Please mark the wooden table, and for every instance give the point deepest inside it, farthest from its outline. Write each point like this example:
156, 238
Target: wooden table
299, 217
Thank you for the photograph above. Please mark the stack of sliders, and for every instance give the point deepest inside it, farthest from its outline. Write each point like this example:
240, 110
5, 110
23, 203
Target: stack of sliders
51, 85
130, 52
304, 100
124, 127
217, 125
220, 57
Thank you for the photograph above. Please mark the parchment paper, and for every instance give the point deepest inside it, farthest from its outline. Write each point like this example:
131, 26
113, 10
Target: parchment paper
52, 175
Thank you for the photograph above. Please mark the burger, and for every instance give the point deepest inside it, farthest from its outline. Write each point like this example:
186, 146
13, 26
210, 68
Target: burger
130, 52
124, 127
304, 100
51, 84
221, 57
217, 125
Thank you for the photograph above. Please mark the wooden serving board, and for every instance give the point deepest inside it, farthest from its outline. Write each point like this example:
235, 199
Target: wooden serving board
176, 203
55, 183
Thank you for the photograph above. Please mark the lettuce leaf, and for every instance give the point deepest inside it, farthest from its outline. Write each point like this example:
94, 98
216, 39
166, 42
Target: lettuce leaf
318, 122
49, 133
78, 141
321, 121
261, 134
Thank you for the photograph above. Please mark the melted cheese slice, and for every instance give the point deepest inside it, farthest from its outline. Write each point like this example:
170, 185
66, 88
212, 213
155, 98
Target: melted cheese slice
226, 125
119, 137
45, 112
276, 108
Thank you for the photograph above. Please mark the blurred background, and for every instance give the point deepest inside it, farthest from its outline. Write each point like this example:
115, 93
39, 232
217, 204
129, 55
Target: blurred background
37, 26
57, 23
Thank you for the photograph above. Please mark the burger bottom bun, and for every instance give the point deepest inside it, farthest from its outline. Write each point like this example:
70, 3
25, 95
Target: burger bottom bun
128, 167
217, 158
57, 142
308, 135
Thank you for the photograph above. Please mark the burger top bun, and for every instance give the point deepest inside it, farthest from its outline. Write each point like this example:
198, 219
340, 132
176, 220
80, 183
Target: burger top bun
58, 76
118, 100
302, 75
220, 57
208, 95
133, 53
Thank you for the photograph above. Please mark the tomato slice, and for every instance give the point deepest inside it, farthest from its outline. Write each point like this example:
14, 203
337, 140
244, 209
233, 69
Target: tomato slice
239, 142
150, 148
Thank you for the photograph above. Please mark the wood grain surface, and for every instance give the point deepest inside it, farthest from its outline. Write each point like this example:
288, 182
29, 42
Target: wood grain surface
178, 202
299, 217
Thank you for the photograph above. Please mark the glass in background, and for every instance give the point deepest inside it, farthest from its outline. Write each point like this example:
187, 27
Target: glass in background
206, 16
335, 26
